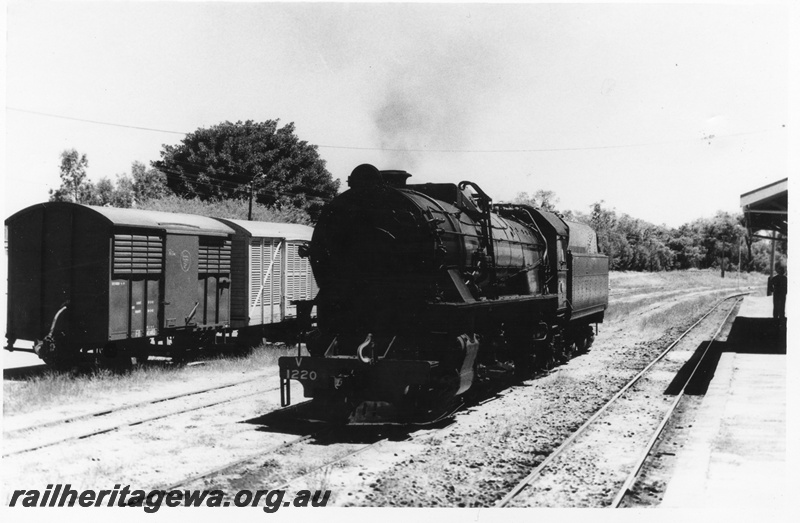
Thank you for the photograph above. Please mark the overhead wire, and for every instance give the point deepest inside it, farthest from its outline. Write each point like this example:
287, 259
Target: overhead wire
706, 138
174, 174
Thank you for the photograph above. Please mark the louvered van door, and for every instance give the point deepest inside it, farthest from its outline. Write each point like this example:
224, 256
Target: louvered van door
134, 302
214, 267
295, 281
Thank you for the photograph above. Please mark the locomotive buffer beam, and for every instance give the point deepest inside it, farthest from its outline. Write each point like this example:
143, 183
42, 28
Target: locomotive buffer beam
389, 378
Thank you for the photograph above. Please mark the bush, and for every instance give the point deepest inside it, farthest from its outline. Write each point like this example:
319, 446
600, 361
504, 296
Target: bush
234, 209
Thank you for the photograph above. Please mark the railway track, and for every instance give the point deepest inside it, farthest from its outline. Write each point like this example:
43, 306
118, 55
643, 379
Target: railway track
549, 464
106, 412
243, 460
634, 473
103, 421
339, 444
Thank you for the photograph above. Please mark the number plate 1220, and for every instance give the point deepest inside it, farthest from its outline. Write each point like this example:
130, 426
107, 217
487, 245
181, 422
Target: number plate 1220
297, 374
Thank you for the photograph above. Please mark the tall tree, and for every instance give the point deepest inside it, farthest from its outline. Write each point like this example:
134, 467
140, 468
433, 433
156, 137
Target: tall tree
722, 234
103, 192
148, 184
231, 159
74, 185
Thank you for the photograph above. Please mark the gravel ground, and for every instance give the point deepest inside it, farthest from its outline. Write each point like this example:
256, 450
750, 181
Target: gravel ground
649, 489
145, 455
590, 472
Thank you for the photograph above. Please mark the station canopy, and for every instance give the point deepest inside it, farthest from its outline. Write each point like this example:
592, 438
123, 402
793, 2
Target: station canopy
766, 208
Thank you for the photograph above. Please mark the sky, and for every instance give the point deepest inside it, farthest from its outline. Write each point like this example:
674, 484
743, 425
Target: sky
665, 112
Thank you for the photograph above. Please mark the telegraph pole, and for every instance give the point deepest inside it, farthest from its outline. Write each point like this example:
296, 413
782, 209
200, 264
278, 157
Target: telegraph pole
739, 271
250, 207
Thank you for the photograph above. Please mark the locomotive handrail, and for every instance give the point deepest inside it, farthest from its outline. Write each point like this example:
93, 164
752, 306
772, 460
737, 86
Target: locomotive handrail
485, 206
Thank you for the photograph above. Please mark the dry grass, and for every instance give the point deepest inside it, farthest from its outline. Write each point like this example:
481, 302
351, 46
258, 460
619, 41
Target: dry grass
58, 388
657, 301
679, 313
622, 282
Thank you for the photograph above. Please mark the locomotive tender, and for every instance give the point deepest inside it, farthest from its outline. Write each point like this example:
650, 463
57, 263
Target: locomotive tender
426, 289
86, 281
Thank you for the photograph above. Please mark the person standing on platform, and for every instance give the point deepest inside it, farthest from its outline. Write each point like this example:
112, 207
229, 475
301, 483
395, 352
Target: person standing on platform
778, 286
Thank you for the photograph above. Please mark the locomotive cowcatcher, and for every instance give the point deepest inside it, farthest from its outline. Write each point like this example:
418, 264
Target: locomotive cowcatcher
427, 289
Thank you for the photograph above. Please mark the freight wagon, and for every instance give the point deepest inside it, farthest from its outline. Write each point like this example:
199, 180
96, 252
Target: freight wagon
91, 281
268, 277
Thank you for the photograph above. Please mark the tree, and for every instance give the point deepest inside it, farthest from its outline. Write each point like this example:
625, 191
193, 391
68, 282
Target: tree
604, 223
686, 243
721, 234
541, 199
123, 195
229, 160
147, 184
103, 192
229, 208
74, 186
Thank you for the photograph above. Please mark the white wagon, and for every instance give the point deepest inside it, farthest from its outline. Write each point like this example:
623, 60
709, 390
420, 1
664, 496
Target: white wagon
267, 276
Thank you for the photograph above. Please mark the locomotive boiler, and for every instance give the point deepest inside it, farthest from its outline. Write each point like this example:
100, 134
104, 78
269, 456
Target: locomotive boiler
427, 289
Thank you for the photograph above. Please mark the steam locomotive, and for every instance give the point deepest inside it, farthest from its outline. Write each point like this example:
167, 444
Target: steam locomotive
426, 290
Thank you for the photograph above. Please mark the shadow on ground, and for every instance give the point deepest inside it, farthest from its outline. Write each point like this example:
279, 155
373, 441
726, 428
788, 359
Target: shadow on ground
747, 336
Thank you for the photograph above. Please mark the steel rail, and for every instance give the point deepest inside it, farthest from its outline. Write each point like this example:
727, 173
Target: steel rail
330, 463
283, 486
566, 443
629, 481
217, 470
133, 423
128, 406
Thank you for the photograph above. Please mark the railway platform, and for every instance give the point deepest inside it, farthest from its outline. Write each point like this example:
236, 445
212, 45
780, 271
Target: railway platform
735, 457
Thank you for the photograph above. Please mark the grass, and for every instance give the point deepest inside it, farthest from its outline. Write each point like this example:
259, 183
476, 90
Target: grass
320, 479
59, 388
644, 294
680, 313
627, 281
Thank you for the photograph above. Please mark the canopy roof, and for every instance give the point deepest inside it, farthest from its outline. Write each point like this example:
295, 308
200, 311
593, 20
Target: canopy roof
766, 208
